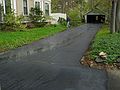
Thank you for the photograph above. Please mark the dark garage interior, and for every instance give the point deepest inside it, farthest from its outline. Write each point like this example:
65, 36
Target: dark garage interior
95, 18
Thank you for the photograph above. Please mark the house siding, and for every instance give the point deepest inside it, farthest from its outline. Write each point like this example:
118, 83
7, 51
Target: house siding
31, 4
17, 5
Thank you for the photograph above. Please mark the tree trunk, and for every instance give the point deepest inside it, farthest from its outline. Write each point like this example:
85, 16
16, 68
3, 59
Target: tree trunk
118, 17
113, 16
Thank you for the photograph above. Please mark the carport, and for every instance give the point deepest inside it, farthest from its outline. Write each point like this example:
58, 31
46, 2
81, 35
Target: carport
94, 18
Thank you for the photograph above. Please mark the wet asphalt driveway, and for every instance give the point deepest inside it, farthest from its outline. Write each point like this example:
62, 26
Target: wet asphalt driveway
53, 64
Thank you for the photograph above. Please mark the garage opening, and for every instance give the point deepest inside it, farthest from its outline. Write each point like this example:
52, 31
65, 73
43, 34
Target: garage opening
94, 18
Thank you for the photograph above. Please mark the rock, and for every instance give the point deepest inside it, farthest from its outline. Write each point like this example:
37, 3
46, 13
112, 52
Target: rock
83, 58
99, 60
103, 55
91, 65
118, 60
118, 65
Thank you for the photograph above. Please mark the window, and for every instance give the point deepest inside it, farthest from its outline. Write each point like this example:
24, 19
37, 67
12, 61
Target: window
37, 4
47, 9
25, 7
7, 6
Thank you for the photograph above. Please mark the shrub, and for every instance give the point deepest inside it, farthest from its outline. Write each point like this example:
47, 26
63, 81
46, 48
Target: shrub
62, 21
36, 18
36, 15
75, 23
11, 22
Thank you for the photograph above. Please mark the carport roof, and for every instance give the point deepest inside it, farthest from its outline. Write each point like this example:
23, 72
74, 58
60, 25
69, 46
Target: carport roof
93, 13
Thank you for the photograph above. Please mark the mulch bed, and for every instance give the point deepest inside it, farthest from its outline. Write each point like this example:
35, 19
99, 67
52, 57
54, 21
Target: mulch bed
92, 64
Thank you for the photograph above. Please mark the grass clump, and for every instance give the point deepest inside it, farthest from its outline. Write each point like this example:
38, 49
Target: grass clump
106, 42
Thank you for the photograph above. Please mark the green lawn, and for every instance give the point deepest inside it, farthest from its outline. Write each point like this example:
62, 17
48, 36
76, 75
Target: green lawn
106, 42
10, 40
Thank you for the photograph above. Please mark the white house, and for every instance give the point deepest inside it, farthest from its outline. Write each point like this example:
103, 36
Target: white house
22, 7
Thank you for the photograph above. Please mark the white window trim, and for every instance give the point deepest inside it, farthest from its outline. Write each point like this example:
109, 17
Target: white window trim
3, 1
11, 4
28, 7
42, 6
49, 3
15, 7
4, 6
